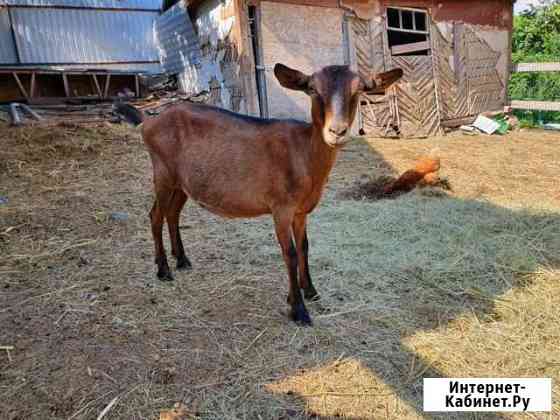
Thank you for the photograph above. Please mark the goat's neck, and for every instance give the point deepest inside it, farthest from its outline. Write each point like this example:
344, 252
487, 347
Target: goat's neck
323, 157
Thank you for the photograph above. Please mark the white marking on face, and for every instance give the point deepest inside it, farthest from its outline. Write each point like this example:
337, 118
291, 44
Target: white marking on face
337, 114
337, 105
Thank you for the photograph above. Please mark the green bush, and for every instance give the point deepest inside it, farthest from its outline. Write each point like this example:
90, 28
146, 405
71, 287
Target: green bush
536, 38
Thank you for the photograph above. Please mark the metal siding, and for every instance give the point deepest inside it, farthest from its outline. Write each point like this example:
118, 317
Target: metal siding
113, 67
96, 4
84, 36
8, 53
177, 40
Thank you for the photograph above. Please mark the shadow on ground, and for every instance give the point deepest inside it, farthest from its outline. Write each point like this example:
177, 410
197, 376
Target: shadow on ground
408, 266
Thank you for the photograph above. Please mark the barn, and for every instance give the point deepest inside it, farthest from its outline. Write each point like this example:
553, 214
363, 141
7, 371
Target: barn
61, 49
455, 55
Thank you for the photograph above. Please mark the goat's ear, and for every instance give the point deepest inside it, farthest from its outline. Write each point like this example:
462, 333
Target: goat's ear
290, 78
381, 81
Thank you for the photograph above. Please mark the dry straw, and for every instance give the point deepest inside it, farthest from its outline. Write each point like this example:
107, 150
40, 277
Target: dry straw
452, 283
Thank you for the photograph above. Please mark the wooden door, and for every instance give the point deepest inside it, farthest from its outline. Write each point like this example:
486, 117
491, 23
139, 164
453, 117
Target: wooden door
468, 81
377, 116
417, 105
450, 59
486, 90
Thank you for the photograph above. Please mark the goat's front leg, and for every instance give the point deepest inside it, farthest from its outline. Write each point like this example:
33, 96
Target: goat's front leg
283, 219
302, 247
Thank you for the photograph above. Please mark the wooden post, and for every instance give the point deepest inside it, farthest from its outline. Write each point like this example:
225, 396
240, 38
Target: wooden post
96, 83
107, 82
20, 85
32, 88
66, 87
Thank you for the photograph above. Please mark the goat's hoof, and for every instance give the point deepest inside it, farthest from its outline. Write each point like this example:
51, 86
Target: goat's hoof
300, 315
183, 264
165, 275
311, 294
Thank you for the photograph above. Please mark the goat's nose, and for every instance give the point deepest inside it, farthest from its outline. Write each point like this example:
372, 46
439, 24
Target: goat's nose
338, 130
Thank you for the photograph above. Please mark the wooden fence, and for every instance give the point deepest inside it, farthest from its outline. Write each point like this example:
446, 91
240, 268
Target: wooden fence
534, 68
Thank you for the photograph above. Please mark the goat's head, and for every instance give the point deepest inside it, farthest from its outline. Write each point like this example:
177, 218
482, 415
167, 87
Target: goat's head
334, 92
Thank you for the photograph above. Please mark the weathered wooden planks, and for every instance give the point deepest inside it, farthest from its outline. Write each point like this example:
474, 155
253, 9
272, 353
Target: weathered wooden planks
416, 97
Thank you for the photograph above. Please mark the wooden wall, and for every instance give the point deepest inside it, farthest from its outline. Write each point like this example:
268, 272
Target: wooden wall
466, 74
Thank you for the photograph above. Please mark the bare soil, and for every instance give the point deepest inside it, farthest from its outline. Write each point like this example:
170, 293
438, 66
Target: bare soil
436, 282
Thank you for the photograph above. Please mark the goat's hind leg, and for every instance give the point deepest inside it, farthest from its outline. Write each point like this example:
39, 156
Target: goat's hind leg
174, 212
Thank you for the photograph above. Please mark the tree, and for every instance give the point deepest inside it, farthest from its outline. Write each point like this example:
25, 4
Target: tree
536, 38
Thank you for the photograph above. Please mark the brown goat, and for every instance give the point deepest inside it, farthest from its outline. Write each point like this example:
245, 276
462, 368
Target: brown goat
240, 166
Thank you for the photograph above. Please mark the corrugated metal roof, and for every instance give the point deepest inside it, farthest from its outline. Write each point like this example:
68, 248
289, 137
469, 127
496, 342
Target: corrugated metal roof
8, 53
83, 36
113, 67
177, 40
102, 4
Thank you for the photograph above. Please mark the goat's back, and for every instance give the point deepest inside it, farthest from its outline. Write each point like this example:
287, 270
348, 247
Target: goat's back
232, 164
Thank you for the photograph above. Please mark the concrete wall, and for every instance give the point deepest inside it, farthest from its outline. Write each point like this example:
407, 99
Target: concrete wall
302, 37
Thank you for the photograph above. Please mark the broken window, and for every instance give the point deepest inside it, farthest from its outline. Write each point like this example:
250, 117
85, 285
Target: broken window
407, 31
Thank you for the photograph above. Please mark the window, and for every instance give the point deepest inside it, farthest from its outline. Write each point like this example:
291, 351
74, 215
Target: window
407, 31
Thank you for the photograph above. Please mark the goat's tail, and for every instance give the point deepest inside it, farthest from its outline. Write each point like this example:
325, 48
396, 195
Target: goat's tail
131, 114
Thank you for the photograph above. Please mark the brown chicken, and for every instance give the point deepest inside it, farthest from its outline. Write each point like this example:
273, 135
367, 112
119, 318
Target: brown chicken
425, 170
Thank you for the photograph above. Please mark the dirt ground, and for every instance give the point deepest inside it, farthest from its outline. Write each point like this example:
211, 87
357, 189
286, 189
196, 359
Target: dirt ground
458, 283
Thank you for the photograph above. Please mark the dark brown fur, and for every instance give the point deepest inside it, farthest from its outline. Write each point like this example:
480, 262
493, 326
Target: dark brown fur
239, 166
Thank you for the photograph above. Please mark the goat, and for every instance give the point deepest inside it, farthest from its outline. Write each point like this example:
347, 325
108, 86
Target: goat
240, 166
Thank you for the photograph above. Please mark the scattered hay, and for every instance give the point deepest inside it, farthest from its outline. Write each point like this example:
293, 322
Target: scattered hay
373, 189
343, 389
410, 287
178, 412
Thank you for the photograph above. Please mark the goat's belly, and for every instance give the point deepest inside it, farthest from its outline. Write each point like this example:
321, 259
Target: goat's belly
232, 210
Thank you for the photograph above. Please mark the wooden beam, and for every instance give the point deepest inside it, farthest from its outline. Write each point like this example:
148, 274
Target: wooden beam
66, 87
535, 67
408, 48
536, 105
97, 86
107, 82
408, 31
20, 85
32, 87
318, 3
137, 85
456, 122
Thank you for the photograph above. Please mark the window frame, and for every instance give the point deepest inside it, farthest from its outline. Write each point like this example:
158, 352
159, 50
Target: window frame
400, 28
